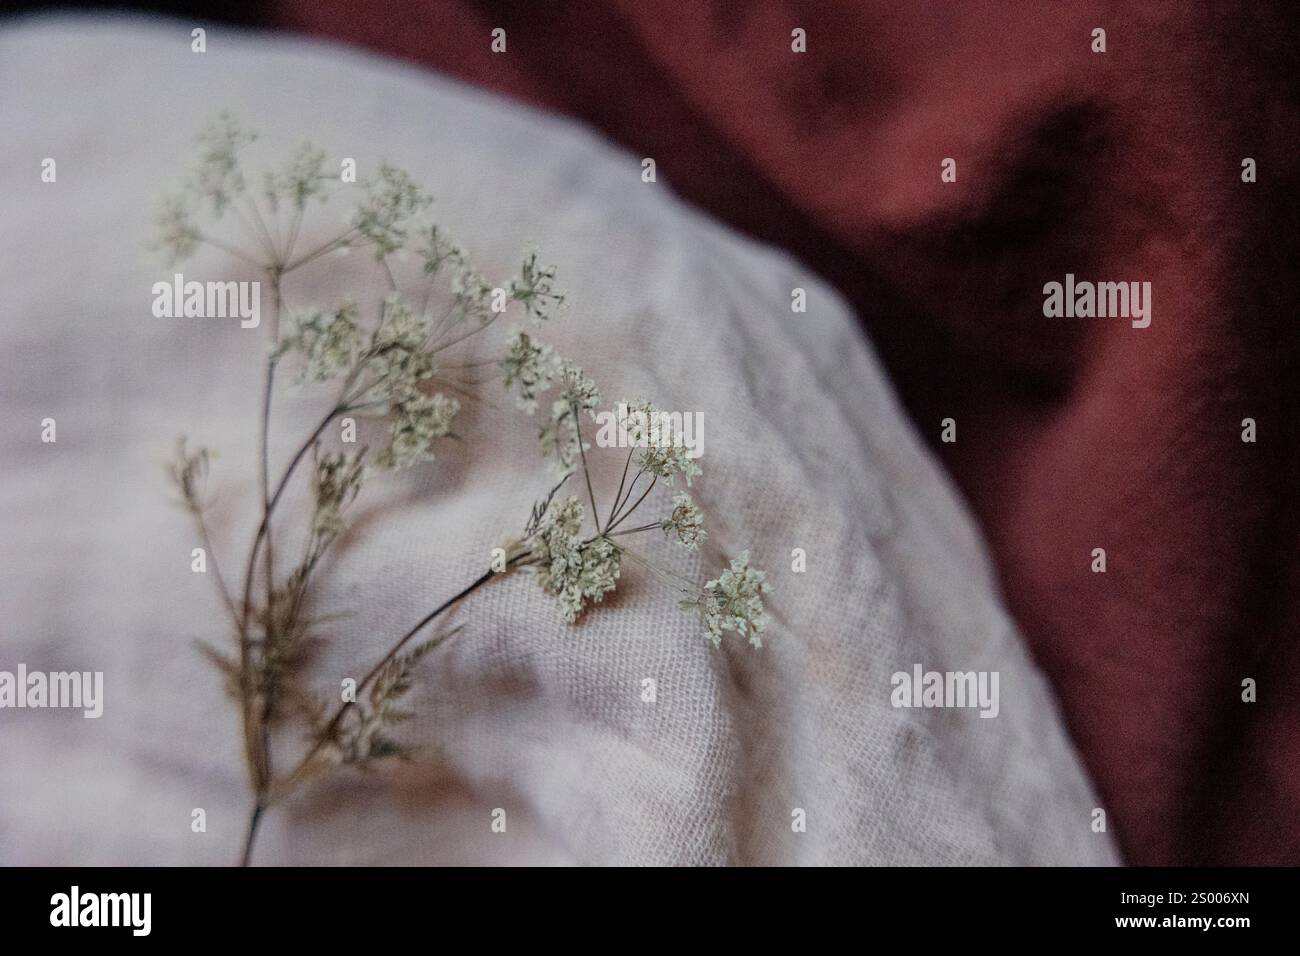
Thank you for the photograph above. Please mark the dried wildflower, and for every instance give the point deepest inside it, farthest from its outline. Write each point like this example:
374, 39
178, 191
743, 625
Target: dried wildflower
560, 440
218, 177
471, 296
359, 737
397, 357
439, 250
576, 389
302, 178
666, 454
733, 601
400, 374
327, 340
561, 437
573, 570
529, 367
686, 522
392, 198
188, 471
416, 423
399, 326
335, 483
385, 369
535, 288
178, 236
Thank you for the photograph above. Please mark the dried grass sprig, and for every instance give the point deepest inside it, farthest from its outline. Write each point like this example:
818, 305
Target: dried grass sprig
393, 365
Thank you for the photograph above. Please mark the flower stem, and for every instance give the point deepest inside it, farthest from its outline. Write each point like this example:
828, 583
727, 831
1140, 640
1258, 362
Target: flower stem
619, 494
254, 819
331, 728
628, 513
586, 472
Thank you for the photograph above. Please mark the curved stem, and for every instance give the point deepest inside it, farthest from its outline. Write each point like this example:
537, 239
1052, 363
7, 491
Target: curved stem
331, 728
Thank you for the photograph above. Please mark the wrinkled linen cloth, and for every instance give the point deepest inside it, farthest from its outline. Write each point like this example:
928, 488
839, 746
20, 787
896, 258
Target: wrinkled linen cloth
805, 448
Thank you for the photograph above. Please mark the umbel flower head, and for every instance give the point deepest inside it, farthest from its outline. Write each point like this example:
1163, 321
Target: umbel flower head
392, 198
217, 177
417, 421
328, 341
733, 601
664, 453
573, 570
686, 522
303, 178
535, 288
529, 369
178, 236
561, 437
579, 569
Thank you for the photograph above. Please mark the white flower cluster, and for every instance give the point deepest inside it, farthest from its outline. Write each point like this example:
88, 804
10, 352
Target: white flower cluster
577, 391
471, 297
328, 341
529, 368
303, 177
560, 437
686, 522
218, 176
665, 454
391, 199
535, 288
400, 329
416, 422
572, 570
438, 250
178, 236
733, 601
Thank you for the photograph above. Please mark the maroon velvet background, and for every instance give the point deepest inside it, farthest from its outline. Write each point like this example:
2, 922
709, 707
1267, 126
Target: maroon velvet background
1072, 433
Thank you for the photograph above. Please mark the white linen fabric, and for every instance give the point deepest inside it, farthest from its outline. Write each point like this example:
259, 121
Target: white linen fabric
805, 447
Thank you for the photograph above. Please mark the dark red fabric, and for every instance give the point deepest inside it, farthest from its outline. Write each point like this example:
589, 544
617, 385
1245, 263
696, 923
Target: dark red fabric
1073, 434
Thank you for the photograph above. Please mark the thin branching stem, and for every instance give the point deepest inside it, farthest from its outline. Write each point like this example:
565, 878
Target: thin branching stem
321, 250
264, 238
293, 232
231, 250
618, 494
331, 729
628, 513
218, 578
678, 582
644, 527
586, 472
